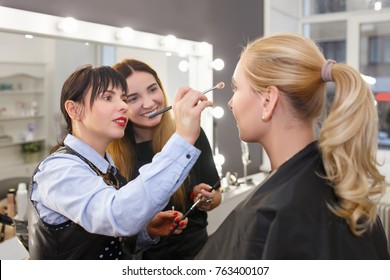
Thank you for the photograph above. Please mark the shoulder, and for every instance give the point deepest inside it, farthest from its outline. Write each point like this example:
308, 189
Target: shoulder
60, 163
300, 187
202, 139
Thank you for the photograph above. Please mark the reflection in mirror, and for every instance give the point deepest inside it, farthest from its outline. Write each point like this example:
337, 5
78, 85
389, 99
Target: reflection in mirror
33, 69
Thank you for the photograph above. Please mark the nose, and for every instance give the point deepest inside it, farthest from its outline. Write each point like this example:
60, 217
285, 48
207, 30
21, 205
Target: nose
147, 102
123, 107
230, 103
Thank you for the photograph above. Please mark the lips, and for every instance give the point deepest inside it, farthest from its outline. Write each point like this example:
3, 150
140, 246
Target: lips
121, 121
149, 113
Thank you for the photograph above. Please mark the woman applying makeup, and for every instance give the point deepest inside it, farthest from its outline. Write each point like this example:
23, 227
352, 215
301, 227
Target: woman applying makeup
82, 206
146, 136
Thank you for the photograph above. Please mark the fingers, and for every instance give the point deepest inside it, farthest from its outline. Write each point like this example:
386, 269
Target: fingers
205, 195
169, 214
202, 191
179, 224
187, 106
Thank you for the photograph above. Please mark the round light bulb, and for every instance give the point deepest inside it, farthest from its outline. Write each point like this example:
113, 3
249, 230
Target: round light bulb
126, 34
219, 159
218, 64
183, 66
218, 112
68, 25
170, 41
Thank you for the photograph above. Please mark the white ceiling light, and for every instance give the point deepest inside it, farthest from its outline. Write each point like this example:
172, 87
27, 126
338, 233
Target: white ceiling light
378, 6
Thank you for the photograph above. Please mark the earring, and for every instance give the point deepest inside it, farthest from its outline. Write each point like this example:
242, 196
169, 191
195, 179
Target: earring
263, 117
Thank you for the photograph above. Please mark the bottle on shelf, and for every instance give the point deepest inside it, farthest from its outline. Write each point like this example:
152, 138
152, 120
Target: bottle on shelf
21, 202
11, 202
10, 231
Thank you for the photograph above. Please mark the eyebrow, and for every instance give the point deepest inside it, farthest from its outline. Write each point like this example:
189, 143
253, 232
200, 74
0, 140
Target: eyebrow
111, 91
152, 85
148, 88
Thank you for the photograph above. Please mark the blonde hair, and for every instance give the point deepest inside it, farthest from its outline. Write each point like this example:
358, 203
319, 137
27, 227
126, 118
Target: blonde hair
348, 137
122, 150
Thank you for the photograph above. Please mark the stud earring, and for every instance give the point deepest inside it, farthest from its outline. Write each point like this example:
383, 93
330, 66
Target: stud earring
263, 117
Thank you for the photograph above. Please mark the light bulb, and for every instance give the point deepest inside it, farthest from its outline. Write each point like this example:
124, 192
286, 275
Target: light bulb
68, 25
169, 41
218, 64
218, 112
183, 66
126, 34
219, 159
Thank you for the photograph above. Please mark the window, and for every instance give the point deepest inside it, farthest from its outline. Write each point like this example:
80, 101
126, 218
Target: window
379, 49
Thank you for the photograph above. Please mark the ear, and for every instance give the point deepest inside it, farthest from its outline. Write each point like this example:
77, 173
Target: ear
270, 99
72, 108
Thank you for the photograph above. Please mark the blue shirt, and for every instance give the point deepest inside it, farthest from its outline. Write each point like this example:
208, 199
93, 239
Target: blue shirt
66, 188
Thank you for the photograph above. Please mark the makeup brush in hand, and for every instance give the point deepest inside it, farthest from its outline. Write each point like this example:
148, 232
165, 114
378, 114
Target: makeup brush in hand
214, 187
220, 85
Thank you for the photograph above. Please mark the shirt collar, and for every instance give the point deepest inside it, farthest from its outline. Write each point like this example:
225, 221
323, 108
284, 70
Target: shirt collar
103, 164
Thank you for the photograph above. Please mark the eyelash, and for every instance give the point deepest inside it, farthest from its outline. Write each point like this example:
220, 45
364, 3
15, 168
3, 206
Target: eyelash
153, 89
131, 99
108, 97
233, 86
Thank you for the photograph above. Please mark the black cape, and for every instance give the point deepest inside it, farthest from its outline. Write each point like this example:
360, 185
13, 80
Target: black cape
287, 217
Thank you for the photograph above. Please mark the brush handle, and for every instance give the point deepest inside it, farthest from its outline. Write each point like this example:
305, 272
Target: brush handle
214, 187
182, 218
160, 112
170, 107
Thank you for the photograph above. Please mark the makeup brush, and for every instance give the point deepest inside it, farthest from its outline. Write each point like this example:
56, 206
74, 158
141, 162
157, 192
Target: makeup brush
220, 85
214, 187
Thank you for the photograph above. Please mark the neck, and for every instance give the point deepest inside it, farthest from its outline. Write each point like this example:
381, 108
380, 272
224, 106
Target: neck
287, 143
143, 134
97, 143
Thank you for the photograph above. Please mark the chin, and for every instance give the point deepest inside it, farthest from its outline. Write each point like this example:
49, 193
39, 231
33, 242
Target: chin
118, 135
244, 137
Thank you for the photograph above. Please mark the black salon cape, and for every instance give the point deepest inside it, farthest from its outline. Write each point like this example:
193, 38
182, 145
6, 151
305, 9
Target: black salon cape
287, 218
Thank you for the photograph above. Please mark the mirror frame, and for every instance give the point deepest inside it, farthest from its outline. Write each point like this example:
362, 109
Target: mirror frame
199, 54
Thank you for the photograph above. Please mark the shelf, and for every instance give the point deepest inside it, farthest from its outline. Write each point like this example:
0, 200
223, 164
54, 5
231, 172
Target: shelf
23, 108
21, 92
15, 143
15, 118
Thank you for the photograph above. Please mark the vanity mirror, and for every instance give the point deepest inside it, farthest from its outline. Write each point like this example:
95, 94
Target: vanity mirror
38, 52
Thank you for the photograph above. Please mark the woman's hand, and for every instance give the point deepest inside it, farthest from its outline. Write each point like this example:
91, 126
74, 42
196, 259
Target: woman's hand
209, 200
187, 107
163, 222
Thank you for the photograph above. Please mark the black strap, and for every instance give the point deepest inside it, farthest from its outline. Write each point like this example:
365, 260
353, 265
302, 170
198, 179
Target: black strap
112, 177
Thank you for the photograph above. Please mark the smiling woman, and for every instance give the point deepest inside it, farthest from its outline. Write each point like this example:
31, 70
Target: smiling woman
54, 54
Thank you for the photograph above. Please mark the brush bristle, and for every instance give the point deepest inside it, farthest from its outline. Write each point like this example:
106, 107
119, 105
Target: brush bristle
220, 85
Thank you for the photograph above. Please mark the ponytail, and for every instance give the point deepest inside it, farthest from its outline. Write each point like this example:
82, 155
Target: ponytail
348, 144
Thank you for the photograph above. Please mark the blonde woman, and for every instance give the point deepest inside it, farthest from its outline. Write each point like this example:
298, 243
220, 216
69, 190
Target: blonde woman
317, 201
146, 136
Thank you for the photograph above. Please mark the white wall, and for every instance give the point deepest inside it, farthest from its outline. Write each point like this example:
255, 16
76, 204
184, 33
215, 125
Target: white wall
281, 16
